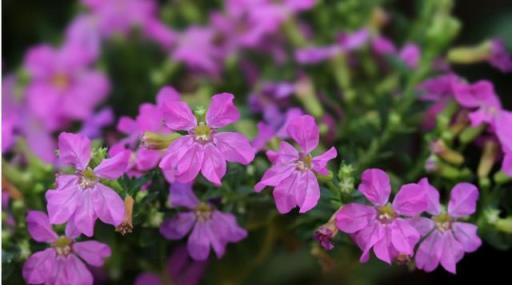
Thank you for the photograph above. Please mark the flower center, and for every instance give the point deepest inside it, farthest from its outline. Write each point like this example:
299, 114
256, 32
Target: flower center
203, 212
202, 133
305, 163
386, 214
63, 246
443, 222
88, 179
60, 80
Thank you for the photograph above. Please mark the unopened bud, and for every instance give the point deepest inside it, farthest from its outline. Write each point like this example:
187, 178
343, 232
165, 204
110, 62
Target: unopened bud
489, 157
158, 141
470, 134
469, 54
440, 149
504, 225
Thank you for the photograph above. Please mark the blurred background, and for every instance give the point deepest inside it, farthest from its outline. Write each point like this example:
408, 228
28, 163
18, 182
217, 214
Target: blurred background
29, 22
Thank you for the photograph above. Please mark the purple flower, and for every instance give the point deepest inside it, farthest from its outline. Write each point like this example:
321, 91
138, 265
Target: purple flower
204, 148
355, 40
81, 198
447, 238
324, 236
383, 46
180, 269
196, 48
499, 56
410, 54
439, 87
277, 126
120, 16
503, 128
384, 226
93, 125
293, 172
312, 55
479, 97
62, 88
209, 228
65, 262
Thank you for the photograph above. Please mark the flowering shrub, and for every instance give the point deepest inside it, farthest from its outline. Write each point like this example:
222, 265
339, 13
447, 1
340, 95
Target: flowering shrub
186, 142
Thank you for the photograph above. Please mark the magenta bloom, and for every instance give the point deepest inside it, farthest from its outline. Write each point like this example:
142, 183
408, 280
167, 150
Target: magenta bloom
180, 269
447, 238
503, 128
65, 262
385, 227
209, 228
81, 198
410, 54
500, 57
62, 88
479, 97
293, 172
204, 148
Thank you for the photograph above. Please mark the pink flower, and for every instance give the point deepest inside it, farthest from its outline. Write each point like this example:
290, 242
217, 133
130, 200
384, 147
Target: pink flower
410, 54
447, 238
149, 119
65, 262
209, 227
503, 128
293, 172
204, 148
384, 226
479, 97
81, 198
62, 87
499, 56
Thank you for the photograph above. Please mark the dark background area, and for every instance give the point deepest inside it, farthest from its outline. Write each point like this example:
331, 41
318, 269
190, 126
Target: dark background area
29, 22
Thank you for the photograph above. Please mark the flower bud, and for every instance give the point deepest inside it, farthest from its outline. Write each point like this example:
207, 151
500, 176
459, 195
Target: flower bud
158, 141
440, 149
489, 157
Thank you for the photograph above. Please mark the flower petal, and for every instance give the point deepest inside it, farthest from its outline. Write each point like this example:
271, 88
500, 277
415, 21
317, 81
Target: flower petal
214, 165
178, 116
404, 236
40, 266
84, 216
178, 226
410, 200
198, 244
353, 217
232, 231
307, 192
222, 111
74, 149
452, 252
39, 227
368, 237
463, 200
274, 175
108, 205
147, 278
382, 248
432, 197
112, 168
63, 201
375, 186
284, 194
429, 252
92, 252
235, 147
422, 225
76, 272
305, 132
182, 195
466, 235
503, 125
320, 161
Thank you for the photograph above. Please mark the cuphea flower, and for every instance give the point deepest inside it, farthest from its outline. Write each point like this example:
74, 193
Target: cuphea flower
65, 262
384, 226
293, 171
62, 87
204, 148
81, 198
447, 238
480, 97
209, 228
180, 269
